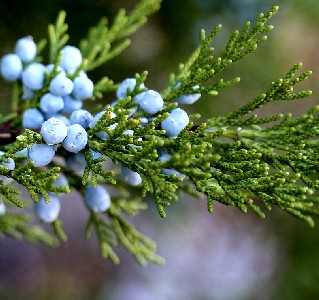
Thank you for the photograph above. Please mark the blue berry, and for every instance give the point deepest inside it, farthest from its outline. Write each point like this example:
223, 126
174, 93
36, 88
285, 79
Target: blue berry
133, 111
41, 154
49, 68
26, 48
102, 134
151, 102
10, 165
2, 208
130, 177
176, 121
76, 161
27, 93
24, 151
71, 104
11, 67
48, 212
189, 98
62, 118
137, 98
32, 118
144, 121
61, 85
82, 117
61, 180
33, 76
97, 117
127, 85
129, 132
53, 131
169, 172
76, 138
83, 88
97, 199
71, 58
95, 155
51, 104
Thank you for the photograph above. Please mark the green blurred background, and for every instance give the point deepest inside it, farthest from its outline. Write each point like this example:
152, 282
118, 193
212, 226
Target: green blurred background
227, 255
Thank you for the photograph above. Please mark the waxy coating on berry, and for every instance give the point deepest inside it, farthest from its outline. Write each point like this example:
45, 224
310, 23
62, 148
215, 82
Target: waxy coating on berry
127, 85
137, 98
10, 165
76, 138
61, 180
97, 199
48, 212
27, 93
176, 121
130, 177
32, 118
61, 85
102, 134
82, 117
71, 104
41, 154
71, 58
164, 157
188, 98
76, 161
2, 208
151, 102
33, 76
50, 103
83, 88
49, 68
95, 155
26, 49
11, 67
62, 118
53, 131
24, 151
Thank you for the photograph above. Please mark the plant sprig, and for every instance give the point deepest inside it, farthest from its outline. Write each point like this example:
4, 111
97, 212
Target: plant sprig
238, 159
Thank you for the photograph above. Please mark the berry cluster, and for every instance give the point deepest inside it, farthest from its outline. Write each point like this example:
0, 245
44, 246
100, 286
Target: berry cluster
151, 102
58, 115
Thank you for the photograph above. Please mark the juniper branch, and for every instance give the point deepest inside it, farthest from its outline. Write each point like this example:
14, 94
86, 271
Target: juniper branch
18, 226
98, 47
57, 35
237, 159
202, 66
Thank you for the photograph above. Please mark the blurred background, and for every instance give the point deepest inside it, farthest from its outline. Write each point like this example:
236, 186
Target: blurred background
225, 255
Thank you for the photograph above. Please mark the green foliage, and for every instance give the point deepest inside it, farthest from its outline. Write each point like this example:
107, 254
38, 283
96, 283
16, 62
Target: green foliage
18, 226
202, 66
237, 159
58, 36
98, 47
116, 230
